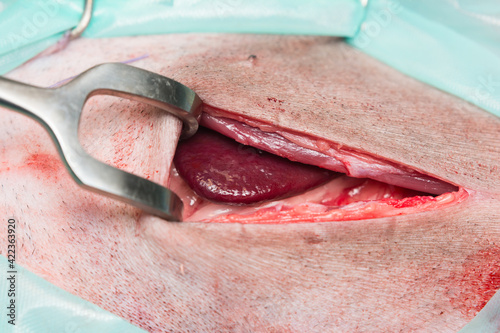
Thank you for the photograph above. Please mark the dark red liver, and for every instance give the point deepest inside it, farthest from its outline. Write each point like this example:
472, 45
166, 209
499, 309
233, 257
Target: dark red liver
222, 170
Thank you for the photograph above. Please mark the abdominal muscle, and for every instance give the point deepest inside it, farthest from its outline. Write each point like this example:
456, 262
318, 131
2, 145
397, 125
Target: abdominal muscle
408, 273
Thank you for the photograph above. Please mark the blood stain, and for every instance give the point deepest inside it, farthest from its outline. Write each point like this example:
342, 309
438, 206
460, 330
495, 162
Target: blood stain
479, 281
45, 164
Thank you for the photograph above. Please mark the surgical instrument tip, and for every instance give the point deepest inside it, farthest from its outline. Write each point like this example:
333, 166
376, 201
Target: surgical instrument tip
84, 21
59, 110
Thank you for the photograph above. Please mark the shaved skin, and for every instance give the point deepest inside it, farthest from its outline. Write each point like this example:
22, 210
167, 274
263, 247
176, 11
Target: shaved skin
426, 270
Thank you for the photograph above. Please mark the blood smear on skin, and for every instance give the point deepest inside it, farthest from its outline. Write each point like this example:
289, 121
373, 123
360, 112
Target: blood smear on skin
477, 283
45, 165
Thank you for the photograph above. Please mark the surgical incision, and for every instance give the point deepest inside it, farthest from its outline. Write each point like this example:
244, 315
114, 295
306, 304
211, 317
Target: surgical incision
222, 180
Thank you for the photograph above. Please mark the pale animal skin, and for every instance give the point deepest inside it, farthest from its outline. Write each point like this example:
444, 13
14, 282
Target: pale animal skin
422, 272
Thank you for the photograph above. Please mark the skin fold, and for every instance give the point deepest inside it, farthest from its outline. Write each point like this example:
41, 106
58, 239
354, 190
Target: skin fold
428, 271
